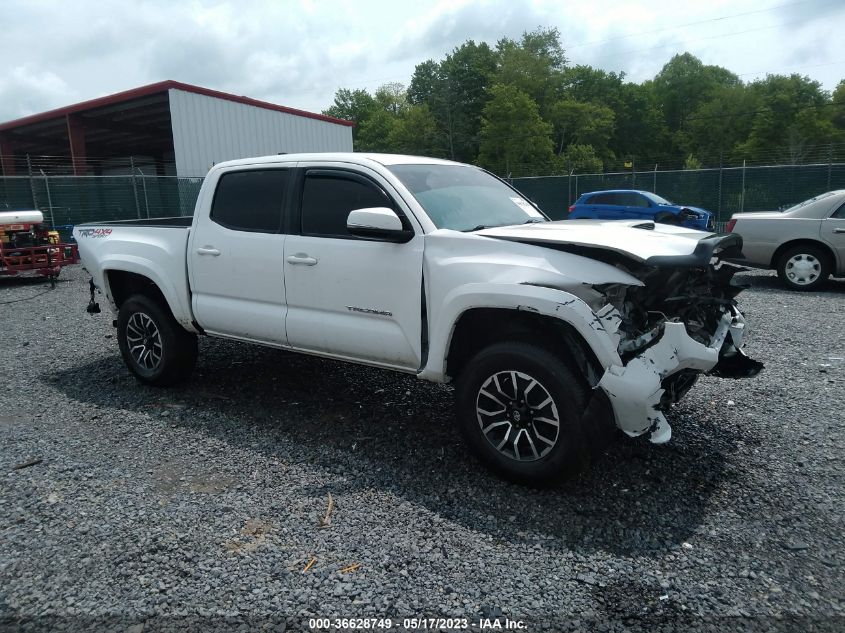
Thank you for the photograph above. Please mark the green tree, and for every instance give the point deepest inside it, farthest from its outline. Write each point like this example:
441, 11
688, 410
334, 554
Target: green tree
374, 132
793, 117
585, 83
684, 84
415, 132
837, 115
580, 159
514, 137
455, 91
718, 126
640, 129
425, 83
691, 162
352, 105
392, 97
534, 65
580, 123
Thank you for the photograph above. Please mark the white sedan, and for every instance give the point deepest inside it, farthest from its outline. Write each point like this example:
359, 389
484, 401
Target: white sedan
805, 243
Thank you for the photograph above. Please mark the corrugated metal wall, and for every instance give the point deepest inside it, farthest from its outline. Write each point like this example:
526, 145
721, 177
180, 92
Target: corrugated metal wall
207, 130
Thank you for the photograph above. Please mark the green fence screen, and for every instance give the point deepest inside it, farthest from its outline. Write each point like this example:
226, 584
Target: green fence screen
724, 191
70, 200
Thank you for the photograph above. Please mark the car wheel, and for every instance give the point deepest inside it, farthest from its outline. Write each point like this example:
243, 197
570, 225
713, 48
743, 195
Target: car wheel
519, 408
803, 267
154, 346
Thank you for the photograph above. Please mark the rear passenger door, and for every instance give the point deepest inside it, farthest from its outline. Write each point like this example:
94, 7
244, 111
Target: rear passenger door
605, 206
349, 296
236, 255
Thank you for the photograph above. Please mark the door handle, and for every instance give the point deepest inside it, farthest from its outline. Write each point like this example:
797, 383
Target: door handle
207, 250
839, 230
302, 259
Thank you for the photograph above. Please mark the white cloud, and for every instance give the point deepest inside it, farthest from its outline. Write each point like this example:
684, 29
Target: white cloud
25, 90
299, 54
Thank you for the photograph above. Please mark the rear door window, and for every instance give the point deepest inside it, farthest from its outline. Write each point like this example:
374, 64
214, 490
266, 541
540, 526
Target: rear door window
619, 199
604, 198
250, 200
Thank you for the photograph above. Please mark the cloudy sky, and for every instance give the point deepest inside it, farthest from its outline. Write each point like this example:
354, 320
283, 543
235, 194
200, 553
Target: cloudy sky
299, 53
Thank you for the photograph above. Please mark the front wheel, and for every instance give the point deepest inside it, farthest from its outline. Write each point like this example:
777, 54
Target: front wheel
519, 408
154, 346
803, 268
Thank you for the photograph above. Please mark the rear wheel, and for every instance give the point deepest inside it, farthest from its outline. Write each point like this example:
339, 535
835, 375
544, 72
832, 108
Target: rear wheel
519, 408
804, 267
154, 346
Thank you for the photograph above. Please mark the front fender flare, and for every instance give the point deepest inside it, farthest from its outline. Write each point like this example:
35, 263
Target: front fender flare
551, 302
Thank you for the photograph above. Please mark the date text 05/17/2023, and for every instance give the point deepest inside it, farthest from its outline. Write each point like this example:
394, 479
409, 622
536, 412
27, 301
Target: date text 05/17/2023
416, 624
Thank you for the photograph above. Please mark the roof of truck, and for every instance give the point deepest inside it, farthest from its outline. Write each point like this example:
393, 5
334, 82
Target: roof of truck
341, 157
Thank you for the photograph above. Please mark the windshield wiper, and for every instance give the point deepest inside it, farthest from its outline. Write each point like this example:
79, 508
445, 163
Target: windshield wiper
481, 227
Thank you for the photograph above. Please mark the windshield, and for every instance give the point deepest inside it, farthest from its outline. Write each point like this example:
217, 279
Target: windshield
464, 198
660, 200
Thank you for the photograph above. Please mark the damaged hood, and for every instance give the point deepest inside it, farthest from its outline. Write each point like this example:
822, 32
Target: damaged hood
642, 241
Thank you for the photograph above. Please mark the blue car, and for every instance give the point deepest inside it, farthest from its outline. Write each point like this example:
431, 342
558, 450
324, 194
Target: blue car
629, 204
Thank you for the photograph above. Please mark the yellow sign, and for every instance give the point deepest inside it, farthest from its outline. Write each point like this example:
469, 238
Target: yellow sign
629, 163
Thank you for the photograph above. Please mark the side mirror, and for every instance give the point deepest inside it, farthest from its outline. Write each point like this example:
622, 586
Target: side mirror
378, 223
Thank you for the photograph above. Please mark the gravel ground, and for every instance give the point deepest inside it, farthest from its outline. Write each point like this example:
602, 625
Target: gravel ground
200, 506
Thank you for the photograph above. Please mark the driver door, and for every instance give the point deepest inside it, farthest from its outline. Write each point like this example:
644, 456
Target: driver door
349, 296
832, 231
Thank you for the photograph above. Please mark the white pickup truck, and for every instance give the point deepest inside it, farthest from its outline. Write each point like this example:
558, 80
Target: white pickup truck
554, 333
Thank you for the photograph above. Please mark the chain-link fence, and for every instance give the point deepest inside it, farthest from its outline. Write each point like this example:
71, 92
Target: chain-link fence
721, 190
69, 200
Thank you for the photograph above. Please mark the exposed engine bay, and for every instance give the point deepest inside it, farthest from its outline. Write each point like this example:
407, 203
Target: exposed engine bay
682, 322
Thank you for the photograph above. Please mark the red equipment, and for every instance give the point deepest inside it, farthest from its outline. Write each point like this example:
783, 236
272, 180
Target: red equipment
29, 245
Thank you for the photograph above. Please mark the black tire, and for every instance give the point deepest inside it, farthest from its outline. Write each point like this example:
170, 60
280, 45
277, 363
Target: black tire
142, 321
803, 267
664, 217
545, 464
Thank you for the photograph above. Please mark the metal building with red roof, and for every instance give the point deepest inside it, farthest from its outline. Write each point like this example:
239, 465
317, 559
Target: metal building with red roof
174, 128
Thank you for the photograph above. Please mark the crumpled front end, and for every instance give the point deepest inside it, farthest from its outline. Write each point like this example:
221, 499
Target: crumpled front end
684, 321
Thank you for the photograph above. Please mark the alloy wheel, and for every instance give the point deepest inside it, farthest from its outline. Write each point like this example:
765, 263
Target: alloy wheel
144, 341
517, 416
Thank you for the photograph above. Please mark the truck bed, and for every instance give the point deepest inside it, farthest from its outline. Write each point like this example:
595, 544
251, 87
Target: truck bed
154, 248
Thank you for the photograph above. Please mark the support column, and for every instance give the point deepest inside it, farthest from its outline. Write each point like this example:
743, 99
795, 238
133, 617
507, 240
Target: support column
76, 140
7, 159
159, 161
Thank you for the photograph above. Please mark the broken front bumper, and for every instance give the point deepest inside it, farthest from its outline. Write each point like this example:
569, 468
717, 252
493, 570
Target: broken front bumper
636, 391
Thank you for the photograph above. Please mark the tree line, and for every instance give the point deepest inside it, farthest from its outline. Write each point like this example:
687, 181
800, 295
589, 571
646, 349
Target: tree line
519, 108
